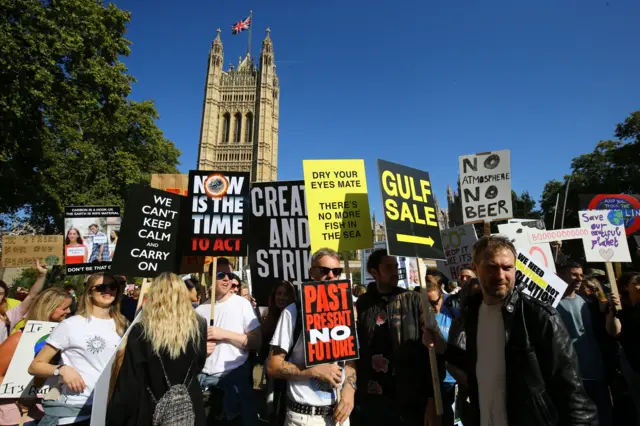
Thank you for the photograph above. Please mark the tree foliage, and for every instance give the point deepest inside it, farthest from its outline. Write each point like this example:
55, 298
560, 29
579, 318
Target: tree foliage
69, 134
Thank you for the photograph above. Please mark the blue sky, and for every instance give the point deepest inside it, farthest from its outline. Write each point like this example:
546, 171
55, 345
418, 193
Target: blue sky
414, 82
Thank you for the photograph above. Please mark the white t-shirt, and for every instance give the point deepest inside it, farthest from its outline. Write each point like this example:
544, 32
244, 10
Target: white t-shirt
491, 370
307, 391
234, 314
86, 344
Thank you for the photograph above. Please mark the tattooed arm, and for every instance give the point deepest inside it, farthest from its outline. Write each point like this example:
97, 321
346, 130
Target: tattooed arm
278, 368
344, 408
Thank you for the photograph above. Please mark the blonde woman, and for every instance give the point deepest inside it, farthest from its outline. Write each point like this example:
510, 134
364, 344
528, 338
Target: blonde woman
86, 343
167, 347
51, 305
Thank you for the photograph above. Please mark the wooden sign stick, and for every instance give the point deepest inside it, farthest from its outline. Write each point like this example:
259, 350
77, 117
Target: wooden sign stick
431, 322
487, 229
214, 273
612, 280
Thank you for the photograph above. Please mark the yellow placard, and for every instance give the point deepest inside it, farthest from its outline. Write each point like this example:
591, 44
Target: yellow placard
337, 204
22, 250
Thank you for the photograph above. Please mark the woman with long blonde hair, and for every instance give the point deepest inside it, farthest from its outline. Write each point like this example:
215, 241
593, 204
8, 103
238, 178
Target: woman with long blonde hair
51, 305
86, 343
167, 347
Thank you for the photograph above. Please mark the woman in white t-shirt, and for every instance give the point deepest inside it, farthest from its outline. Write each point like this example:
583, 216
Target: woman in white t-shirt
86, 343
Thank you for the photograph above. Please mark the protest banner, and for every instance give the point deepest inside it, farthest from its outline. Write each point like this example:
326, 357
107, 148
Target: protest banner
537, 281
149, 233
407, 268
485, 186
540, 237
22, 250
518, 233
174, 183
410, 220
607, 240
629, 204
279, 246
328, 322
17, 382
337, 204
458, 244
217, 221
91, 233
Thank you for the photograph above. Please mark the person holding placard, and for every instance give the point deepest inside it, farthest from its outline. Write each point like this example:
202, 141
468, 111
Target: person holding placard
515, 351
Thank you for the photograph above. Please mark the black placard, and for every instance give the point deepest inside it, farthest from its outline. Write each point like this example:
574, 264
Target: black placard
89, 233
279, 245
216, 222
410, 217
328, 320
149, 235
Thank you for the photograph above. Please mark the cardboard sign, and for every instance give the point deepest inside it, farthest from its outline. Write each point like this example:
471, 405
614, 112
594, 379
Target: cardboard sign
629, 204
17, 382
537, 281
410, 220
485, 186
407, 268
539, 237
328, 322
279, 246
22, 250
458, 245
218, 220
337, 204
148, 241
518, 233
91, 235
607, 240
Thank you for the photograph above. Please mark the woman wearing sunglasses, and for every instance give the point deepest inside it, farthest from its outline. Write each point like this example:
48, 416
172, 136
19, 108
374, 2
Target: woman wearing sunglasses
86, 343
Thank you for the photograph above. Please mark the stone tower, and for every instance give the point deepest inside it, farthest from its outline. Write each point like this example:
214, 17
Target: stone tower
240, 115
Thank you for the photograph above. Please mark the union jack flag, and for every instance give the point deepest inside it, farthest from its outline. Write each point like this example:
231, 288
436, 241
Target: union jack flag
241, 26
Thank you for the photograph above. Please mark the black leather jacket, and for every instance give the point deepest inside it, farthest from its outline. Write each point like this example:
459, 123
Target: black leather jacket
543, 382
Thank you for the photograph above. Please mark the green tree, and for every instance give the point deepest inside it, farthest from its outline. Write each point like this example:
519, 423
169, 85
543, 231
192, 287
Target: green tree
69, 134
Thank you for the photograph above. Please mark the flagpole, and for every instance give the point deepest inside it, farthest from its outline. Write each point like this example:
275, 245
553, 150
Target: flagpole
250, 27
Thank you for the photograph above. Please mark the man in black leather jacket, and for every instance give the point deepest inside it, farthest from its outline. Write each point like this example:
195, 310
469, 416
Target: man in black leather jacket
520, 365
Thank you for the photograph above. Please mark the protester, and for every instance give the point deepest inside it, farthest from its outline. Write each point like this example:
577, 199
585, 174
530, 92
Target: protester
14, 315
51, 305
394, 378
194, 288
311, 392
235, 283
625, 326
520, 364
586, 330
227, 371
281, 296
86, 343
454, 300
167, 347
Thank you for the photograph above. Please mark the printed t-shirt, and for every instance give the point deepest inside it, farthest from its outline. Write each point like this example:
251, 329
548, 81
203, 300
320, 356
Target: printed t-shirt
311, 391
86, 345
234, 314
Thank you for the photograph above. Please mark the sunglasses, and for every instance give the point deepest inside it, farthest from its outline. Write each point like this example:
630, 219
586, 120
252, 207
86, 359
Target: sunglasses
325, 271
234, 285
221, 275
102, 288
434, 303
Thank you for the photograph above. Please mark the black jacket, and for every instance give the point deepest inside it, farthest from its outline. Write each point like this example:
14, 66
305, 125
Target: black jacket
543, 382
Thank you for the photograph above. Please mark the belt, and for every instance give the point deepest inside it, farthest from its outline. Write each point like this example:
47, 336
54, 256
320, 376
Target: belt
310, 410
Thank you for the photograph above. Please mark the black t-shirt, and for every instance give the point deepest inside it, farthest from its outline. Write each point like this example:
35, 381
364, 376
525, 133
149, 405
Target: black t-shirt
380, 370
630, 336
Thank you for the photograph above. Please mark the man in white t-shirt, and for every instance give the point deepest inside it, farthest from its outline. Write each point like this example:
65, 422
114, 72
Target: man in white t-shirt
311, 392
235, 331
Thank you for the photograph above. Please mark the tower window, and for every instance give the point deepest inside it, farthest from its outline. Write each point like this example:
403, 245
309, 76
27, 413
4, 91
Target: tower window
226, 125
248, 135
237, 127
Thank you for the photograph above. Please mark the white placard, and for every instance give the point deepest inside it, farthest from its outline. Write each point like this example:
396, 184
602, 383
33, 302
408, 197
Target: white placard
518, 233
607, 240
407, 268
537, 281
539, 237
17, 382
485, 186
458, 243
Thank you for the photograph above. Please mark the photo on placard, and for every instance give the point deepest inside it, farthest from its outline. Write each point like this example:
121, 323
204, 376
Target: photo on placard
90, 237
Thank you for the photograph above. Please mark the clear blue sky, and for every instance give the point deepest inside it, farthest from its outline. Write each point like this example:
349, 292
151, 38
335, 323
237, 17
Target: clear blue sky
415, 82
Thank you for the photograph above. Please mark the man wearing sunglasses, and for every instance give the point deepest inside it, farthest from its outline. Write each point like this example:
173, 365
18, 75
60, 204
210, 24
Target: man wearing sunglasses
311, 392
235, 331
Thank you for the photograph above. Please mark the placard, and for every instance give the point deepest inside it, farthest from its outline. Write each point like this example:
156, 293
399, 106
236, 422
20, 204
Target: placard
537, 281
219, 210
337, 204
408, 277
22, 250
148, 242
629, 204
91, 234
607, 241
174, 183
279, 244
17, 382
410, 217
328, 322
539, 237
485, 186
518, 233
458, 248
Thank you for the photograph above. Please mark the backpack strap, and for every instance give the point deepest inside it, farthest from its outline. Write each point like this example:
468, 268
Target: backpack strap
166, 378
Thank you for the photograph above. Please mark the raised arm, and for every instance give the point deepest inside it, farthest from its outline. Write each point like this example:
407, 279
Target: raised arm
36, 288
